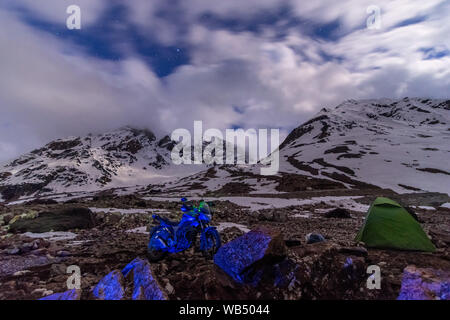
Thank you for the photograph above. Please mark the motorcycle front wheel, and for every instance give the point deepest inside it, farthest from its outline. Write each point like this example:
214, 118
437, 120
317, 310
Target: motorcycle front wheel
209, 242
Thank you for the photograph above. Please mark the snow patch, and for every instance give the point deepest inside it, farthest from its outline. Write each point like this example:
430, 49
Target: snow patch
306, 215
78, 242
259, 203
139, 230
130, 211
227, 225
427, 208
51, 236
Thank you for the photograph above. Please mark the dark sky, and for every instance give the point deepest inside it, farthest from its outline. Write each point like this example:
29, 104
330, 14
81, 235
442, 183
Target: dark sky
162, 64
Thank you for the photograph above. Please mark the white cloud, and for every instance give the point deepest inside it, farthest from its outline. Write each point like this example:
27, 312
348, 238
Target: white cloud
273, 82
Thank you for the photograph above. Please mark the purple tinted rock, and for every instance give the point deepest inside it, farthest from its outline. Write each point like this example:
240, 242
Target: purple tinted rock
136, 278
238, 256
63, 253
145, 286
424, 284
68, 295
14, 251
314, 238
110, 287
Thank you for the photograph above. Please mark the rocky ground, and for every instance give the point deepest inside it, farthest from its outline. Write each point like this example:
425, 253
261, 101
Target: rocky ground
115, 232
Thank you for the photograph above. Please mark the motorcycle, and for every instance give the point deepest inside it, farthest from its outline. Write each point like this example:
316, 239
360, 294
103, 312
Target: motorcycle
172, 237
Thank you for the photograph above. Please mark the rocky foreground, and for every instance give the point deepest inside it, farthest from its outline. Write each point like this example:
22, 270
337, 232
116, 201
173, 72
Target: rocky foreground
108, 238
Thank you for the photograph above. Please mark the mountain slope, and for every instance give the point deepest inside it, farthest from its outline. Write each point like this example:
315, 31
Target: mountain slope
403, 145
123, 157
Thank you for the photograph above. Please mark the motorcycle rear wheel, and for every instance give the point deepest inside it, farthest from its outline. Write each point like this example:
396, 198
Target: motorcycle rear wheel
153, 254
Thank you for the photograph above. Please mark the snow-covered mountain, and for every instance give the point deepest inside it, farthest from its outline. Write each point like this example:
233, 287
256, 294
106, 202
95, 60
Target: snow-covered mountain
123, 157
403, 145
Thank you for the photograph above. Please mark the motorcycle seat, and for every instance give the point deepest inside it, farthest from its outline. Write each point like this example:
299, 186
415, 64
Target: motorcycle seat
170, 223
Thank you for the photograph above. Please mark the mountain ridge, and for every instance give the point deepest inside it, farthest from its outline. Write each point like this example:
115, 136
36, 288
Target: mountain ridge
126, 156
364, 139
389, 143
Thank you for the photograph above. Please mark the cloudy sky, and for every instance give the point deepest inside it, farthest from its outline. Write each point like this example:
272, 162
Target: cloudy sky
162, 64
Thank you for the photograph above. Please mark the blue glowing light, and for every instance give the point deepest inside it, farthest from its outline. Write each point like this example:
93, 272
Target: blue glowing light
110, 287
238, 255
175, 237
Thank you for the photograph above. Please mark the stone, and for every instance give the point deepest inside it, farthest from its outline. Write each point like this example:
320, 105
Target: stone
338, 213
424, 284
169, 288
63, 253
21, 273
73, 218
280, 216
14, 251
58, 269
357, 251
110, 287
27, 247
68, 295
114, 217
266, 215
135, 282
7, 218
242, 257
323, 271
47, 293
145, 285
314, 238
40, 291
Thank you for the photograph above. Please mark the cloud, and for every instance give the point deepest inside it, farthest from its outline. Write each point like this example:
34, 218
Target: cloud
53, 94
300, 59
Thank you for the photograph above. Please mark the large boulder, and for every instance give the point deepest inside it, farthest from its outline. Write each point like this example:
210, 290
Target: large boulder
68, 295
244, 257
135, 282
72, 218
424, 284
111, 287
145, 286
325, 270
338, 213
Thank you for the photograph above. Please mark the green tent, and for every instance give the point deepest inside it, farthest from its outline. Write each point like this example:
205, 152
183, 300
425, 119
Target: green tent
389, 225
